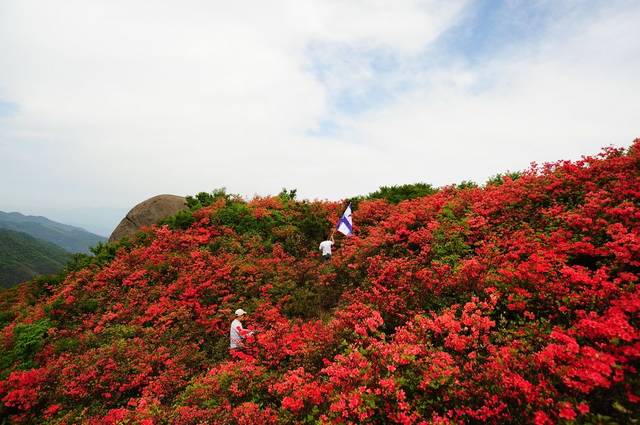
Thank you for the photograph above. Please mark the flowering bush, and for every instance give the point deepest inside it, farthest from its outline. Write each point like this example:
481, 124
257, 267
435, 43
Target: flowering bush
517, 302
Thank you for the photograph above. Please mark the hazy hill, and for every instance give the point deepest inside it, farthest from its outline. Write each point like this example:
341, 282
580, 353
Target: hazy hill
70, 238
99, 220
22, 257
516, 302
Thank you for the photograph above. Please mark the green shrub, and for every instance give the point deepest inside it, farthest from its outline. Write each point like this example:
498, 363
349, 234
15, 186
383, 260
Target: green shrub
88, 305
70, 344
28, 339
449, 243
78, 262
182, 220
217, 347
395, 194
467, 184
314, 227
288, 195
119, 331
311, 301
6, 317
52, 310
304, 302
204, 199
498, 179
105, 252
237, 215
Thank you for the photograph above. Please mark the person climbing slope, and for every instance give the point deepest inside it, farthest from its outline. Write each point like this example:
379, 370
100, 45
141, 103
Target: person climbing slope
344, 226
325, 247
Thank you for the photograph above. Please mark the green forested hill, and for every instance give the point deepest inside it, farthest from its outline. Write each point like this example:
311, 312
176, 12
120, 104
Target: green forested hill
70, 238
22, 257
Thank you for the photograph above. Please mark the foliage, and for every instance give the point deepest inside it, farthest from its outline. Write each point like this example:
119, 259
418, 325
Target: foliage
467, 184
395, 194
27, 341
500, 178
288, 195
515, 302
205, 199
22, 257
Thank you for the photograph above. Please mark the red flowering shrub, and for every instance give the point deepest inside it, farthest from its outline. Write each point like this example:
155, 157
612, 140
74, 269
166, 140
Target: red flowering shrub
23, 390
517, 302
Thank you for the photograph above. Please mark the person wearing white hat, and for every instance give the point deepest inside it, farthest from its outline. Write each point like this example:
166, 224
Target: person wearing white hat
237, 332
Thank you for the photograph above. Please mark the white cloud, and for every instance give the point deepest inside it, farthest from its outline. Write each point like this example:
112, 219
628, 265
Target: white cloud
404, 25
570, 93
119, 100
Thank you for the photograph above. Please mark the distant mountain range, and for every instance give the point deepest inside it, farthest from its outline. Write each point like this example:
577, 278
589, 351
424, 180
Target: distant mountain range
23, 257
70, 238
98, 220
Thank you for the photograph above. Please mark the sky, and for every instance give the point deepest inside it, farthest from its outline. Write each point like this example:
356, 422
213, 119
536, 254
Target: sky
105, 103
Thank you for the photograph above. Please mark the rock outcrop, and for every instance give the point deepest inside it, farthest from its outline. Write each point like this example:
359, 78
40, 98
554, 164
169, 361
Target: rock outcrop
147, 213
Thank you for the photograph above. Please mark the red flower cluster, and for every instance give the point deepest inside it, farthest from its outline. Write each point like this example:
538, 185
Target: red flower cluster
515, 302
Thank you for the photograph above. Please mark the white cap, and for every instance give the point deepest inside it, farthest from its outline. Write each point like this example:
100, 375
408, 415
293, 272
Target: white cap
240, 312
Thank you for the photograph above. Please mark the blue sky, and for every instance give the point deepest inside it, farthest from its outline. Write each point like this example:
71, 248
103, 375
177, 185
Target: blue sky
7, 108
489, 26
483, 30
330, 97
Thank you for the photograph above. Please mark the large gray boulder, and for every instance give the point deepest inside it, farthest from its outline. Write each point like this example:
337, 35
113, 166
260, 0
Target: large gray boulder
147, 213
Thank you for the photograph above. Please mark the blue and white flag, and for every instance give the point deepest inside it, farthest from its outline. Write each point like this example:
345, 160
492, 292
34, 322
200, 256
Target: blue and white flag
345, 224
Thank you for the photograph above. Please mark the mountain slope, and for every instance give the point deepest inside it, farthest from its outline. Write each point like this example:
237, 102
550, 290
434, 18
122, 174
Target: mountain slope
22, 257
70, 238
517, 302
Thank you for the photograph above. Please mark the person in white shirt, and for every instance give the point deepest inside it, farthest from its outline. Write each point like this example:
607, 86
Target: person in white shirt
237, 332
325, 247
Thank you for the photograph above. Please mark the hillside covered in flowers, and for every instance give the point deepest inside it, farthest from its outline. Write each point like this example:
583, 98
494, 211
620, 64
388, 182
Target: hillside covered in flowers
515, 302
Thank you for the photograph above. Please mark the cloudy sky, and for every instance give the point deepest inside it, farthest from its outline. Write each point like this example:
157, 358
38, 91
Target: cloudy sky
104, 103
